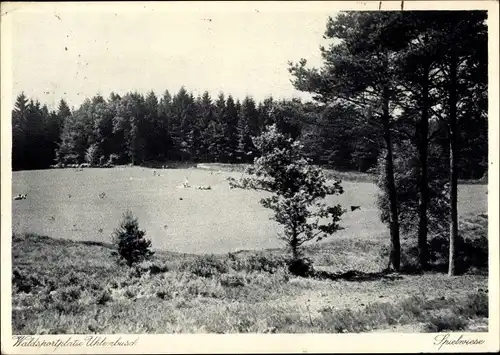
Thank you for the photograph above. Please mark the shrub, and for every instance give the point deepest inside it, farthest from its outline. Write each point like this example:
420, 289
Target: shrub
410, 262
157, 269
269, 264
72, 278
259, 262
472, 248
232, 280
162, 295
92, 154
23, 283
445, 321
134, 273
301, 267
104, 298
413, 306
71, 294
341, 321
406, 176
130, 241
195, 287
152, 268
382, 313
70, 158
130, 293
113, 159
475, 305
205, 266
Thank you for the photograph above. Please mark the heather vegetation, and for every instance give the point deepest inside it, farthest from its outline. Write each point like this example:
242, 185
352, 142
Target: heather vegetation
87, 289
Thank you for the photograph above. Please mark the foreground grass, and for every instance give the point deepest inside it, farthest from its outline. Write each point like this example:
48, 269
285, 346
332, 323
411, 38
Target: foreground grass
62, 286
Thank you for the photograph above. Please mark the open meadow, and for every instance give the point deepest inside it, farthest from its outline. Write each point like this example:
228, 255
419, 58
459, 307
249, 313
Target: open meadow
88, 205
72, 282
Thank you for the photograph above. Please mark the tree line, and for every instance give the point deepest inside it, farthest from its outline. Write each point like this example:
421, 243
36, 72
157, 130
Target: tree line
138, 129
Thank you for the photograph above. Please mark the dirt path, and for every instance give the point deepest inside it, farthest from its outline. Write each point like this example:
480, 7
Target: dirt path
317, 295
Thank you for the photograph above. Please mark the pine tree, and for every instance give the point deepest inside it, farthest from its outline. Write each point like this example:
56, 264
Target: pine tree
19, 121
153, 128
130, 241
251, 115
246, 149
359, 70
297, 189
165, 118
231, 130
182, 118
205, 117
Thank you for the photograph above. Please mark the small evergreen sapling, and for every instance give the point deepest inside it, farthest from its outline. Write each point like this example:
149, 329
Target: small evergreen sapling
130, 241
298, 189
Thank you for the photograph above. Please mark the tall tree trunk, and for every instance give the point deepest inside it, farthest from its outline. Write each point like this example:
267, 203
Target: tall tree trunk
391, 186
423, 178
453, 165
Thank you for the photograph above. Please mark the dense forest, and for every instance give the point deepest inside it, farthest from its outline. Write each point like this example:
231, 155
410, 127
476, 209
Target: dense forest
137, 129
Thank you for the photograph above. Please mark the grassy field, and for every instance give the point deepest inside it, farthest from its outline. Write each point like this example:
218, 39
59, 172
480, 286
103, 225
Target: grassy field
73, 283
88, 204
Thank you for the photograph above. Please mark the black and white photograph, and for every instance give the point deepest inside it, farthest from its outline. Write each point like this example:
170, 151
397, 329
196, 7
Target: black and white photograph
249, 168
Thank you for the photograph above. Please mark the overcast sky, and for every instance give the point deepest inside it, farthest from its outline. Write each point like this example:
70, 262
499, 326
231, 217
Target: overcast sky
77, 53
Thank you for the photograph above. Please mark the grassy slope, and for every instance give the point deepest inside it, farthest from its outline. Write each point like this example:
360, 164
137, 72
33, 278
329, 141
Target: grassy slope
74, 287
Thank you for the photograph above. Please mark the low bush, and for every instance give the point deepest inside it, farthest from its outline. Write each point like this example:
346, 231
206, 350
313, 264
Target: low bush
70, 294
410, 263
104, 298
24, 283
445, 321
232, 280
472, 252
72, 278
68, 308
472, 248
113, 159
152, 268
205, 266
259, 262
341, 321
413, 305
475, 305
162, 295
301, 267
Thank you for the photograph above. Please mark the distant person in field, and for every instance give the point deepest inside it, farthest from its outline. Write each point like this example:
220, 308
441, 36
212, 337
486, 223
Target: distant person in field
185, 183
